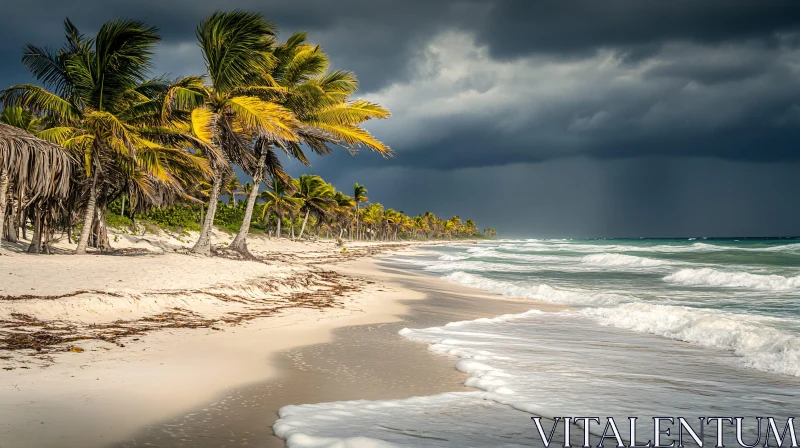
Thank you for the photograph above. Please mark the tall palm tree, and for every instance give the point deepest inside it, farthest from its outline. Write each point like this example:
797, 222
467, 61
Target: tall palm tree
359, 195
316, 196
229, 115
279, 198
98, 106
320, 99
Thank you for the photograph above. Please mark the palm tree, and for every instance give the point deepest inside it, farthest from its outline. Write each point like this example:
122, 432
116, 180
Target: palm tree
359, 195
372, 218
406, 223
232, 188
470, 228
316, 196
229, 115
343, 211
99, 106
421, 225
279, 199
320, 100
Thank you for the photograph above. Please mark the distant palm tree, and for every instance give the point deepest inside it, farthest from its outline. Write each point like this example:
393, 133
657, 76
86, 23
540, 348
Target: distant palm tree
372, 217
316, 196
470, 228
421, 225
343, 211
359, 196
232, 188
279, 199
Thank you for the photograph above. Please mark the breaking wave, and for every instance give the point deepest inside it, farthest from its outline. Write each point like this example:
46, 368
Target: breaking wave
608, 259
755, 339
541, 292
712, 277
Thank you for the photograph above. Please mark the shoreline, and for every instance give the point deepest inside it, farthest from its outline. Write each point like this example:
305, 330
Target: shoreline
114, 394
362, 361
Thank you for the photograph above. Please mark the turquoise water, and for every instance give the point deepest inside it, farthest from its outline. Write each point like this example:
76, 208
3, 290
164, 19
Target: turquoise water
737, 294
686, 328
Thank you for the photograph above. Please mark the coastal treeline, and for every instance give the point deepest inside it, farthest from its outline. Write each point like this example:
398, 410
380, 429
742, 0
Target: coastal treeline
98, 139
307, 206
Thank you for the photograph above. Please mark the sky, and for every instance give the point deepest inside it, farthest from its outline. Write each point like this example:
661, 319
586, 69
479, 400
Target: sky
558, 119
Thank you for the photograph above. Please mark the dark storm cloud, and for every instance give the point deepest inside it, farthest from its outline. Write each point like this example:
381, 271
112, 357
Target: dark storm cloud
516, 27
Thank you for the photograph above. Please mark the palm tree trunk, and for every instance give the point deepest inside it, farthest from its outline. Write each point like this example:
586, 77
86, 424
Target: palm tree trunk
280, 218
88, 217
305, 220
11, 227
4, 181
240, 242
203, 245
36, 240
358, 223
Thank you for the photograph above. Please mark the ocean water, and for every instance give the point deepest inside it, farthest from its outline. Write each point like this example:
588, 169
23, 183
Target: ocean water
681, 328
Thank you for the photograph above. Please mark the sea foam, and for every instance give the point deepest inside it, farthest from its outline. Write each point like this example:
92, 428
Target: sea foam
712, 277
544, 364
543, 292
755, 339
609, 259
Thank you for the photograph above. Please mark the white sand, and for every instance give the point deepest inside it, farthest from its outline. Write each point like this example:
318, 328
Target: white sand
108, 391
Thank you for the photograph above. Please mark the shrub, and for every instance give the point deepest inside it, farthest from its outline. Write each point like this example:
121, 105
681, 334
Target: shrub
175, 218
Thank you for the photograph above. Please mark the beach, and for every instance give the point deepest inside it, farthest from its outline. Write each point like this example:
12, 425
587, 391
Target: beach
164, 385
398, 344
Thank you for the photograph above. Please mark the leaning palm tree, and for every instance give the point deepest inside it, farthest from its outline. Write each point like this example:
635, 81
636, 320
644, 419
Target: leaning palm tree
229, 115
37, 169
320, 99
95, 107
316, 196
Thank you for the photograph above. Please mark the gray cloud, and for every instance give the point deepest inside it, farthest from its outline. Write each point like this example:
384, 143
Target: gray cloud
582, 117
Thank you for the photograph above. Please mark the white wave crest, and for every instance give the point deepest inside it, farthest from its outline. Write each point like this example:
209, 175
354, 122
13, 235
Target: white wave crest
541, 292
712, 277
608, 259
448, 257
760, 345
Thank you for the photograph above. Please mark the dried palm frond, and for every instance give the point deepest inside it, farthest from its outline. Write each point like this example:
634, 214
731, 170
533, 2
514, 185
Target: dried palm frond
37, 167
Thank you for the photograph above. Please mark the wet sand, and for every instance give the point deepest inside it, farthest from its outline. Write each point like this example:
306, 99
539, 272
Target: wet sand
360, 362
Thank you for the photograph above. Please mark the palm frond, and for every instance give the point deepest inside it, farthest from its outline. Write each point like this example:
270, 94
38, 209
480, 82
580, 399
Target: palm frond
40, 102
236, 48
356, 137
264, 117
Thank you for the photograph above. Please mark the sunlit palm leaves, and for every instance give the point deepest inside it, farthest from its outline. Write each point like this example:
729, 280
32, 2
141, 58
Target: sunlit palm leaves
99, 106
